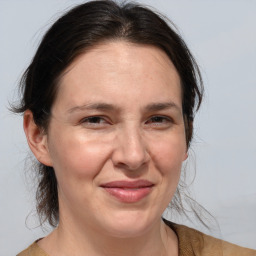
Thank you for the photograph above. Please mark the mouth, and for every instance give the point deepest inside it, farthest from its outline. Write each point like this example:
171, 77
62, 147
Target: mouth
128, 191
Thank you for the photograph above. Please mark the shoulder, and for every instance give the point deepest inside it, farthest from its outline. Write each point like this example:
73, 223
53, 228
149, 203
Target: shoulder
194, 242
33, 250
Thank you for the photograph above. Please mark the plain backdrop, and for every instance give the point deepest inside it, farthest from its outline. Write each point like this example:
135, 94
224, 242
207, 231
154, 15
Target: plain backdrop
222, 36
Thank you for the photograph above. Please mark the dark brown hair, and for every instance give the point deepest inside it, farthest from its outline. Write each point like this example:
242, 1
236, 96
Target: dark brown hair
75, 33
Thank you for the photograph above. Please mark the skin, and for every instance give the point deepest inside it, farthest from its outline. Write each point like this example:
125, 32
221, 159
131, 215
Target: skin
133, 93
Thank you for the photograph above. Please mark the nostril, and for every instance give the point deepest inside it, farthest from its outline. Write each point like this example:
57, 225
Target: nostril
131, 162
130, 151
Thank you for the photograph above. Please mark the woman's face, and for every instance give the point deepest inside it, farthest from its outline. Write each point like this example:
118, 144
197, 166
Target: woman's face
116, 138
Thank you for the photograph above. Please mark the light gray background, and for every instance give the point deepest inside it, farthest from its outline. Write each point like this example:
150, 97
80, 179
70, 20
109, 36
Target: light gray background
222, 36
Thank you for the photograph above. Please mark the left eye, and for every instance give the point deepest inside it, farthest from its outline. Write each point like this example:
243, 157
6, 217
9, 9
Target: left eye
159, 121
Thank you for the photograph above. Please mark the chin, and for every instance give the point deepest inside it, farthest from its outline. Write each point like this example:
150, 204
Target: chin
129, 225
127, 231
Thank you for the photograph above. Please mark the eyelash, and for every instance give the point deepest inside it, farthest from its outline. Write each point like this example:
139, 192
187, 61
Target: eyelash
163, 122
93, 118
155, 121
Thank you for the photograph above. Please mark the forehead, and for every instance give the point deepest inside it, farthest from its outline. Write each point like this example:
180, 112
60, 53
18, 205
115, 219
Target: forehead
111, 53
119, 69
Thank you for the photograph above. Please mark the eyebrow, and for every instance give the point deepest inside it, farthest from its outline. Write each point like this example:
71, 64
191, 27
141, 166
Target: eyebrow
92, 106
109, 107
161, 106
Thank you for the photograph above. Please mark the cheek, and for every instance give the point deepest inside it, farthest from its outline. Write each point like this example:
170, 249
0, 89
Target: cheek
77, 156
168, 158
169, 155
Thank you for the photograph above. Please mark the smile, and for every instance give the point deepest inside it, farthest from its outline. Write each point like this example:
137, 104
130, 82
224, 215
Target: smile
128, 191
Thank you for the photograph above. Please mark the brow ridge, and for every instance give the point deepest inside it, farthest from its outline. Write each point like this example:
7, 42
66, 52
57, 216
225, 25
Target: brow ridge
110, 107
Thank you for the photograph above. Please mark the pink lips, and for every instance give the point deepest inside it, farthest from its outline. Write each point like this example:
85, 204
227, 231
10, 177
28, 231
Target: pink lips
128, 191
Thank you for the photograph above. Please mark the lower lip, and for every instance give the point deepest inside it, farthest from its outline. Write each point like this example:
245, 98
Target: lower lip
129, 195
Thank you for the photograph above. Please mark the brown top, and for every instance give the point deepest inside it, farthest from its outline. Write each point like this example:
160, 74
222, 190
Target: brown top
191, 243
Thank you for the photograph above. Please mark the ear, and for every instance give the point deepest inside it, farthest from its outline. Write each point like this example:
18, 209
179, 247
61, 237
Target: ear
37, 139
185, 156
188, 134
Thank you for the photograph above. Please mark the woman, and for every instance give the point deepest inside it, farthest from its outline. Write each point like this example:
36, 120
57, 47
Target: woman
109, 101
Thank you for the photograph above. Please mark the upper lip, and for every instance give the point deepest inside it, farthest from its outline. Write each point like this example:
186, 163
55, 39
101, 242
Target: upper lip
128, 184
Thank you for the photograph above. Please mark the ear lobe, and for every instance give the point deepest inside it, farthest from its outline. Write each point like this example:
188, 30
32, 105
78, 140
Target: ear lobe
37, 139
185, 156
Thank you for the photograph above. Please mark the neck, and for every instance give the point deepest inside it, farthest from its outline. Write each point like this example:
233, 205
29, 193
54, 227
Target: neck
72, 240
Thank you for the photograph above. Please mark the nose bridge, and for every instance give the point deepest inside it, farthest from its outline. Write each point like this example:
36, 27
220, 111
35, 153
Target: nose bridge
131, 150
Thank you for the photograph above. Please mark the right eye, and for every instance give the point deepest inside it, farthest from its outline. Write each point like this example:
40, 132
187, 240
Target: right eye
94, 122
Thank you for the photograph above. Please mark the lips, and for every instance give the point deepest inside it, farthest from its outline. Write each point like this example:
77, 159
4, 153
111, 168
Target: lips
128, 191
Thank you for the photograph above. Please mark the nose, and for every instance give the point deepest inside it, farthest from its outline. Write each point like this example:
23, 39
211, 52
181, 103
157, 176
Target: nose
130, 150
